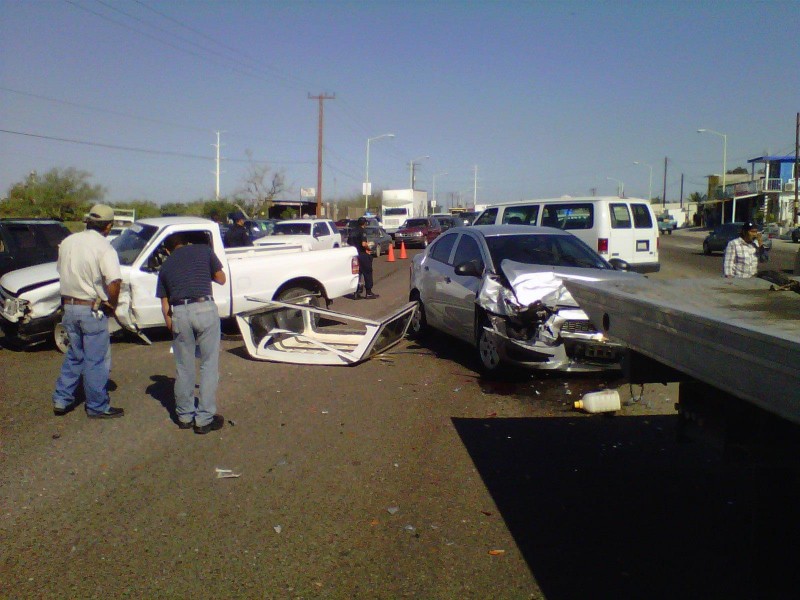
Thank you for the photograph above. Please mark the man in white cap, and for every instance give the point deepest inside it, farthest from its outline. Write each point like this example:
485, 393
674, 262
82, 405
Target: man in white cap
89, 273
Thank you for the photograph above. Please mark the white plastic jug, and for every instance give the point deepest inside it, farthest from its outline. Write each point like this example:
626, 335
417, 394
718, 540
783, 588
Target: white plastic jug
597, 402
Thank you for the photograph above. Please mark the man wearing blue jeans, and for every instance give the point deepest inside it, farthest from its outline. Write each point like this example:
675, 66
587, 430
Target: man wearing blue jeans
89, 278
184, 286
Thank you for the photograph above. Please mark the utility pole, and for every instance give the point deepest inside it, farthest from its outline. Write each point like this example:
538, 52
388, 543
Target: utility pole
321, 98
681, 191
475, 189
664, 197
216, 173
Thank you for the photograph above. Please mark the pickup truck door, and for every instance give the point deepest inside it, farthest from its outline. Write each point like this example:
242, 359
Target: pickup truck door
146, 307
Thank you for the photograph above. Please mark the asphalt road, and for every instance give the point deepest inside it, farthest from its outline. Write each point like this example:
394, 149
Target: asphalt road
404, 477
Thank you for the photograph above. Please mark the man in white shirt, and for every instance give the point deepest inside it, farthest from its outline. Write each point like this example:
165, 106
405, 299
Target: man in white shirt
89, 273
741, 254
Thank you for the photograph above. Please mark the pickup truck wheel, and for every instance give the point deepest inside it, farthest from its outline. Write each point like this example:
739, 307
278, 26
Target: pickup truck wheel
293, 319
60, 338
488, 353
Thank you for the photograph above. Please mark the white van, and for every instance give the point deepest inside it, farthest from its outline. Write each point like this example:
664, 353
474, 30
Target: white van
617, 228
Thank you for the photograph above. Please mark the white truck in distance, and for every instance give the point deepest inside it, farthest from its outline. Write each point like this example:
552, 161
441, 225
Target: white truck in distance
397, 206
30, 301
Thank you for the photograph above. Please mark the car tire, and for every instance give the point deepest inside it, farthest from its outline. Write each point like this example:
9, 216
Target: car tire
795, 237
706, 248
293, 320
377, 249
418, 327
489, 360
60, 338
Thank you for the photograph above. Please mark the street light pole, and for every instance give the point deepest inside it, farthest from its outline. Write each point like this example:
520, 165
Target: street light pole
649, 189
620, 187
724, 171
367, 190
412, 163
434, 186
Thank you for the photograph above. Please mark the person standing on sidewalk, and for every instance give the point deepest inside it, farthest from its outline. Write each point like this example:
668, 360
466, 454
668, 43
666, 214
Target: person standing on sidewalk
187, 303
90, 279
742, 254
359, 239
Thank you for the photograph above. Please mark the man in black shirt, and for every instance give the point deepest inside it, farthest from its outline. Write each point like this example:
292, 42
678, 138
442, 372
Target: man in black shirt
184, 286
237, 235
359, 239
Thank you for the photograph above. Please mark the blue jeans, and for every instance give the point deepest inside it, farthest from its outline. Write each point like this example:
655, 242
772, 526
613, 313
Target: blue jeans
196, 327
89, 354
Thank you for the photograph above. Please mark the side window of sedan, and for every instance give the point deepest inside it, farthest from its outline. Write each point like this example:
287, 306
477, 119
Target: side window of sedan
442, 247
467, 251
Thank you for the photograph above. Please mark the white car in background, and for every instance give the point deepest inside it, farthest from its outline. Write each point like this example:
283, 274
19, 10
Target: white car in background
312, 234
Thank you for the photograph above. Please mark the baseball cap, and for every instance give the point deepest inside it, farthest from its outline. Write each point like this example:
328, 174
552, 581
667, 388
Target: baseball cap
238, 216
748, 225
100, 212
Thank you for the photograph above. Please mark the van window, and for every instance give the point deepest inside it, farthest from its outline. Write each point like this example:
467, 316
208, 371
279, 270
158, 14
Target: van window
521, 215
487, 218
641, 216
568, 216
620, 216
441, 248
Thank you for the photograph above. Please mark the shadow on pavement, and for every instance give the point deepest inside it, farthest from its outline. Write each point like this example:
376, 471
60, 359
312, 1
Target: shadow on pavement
616, 508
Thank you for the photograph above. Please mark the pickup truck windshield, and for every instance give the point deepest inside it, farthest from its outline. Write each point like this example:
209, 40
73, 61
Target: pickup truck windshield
292, 229
131, 242
549, 250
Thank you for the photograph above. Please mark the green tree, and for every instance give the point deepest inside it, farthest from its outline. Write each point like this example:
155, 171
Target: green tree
59, 193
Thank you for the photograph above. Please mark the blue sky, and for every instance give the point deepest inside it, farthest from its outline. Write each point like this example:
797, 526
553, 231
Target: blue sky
545, 98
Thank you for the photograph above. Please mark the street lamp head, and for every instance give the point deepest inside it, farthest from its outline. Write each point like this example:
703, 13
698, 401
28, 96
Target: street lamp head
700, 130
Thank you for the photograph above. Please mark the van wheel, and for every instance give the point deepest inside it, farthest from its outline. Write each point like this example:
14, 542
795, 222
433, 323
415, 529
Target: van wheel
60, 338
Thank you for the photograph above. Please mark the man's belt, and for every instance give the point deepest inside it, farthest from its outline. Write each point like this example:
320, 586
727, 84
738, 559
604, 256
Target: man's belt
183, 301
79, 301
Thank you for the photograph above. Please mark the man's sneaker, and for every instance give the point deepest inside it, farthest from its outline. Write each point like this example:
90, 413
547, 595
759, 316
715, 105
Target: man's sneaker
371, 296
111, 413
217, 422
185, 425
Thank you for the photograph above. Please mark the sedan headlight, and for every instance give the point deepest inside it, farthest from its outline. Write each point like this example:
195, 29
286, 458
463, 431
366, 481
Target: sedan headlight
417, 234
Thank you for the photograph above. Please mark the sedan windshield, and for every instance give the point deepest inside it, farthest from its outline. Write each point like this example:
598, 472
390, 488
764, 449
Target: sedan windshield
292, 229
129, 243
548, 250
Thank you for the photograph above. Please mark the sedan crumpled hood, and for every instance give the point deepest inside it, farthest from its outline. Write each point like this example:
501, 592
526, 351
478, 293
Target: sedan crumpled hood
534, 283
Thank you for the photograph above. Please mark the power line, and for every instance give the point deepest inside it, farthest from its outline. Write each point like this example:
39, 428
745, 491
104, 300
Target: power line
151, 151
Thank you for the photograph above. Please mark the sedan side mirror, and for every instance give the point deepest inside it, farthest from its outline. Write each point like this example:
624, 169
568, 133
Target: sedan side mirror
619, 264
471, 268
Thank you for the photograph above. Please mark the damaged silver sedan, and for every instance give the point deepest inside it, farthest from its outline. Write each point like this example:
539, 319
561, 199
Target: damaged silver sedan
500, 288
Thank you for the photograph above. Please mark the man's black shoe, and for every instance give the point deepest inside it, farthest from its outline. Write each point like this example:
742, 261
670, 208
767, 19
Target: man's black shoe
60, 412
183, 425
217, 422
371, 296
111, 413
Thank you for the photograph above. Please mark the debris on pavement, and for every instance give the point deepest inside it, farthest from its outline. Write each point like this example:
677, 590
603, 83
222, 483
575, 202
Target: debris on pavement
393, 510
226, 473
278, 528
496, 552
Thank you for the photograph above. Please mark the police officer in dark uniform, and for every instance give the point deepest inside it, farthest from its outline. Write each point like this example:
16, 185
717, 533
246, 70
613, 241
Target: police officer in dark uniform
358, 238
237, 235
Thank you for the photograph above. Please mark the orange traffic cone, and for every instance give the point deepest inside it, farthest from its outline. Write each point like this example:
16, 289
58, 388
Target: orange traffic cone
403, 250
390, 258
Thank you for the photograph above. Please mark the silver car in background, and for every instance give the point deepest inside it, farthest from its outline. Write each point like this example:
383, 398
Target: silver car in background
500, 288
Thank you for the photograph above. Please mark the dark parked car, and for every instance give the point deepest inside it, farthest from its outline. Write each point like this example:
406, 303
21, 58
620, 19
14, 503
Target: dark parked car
258, 228
379, 241
28, 242
796, 234
718, 239
418, 232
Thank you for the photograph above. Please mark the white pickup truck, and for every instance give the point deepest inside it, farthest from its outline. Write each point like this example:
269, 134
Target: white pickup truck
30, 302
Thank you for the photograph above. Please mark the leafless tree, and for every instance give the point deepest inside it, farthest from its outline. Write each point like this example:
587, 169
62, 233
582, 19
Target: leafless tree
261, 186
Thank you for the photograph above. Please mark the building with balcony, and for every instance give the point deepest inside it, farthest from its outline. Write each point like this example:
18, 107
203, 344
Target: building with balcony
766, 194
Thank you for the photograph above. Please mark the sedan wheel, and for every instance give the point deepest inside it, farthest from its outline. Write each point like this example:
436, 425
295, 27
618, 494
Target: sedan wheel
488, 353
419, 323
795, 237
706, 248
377, 249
